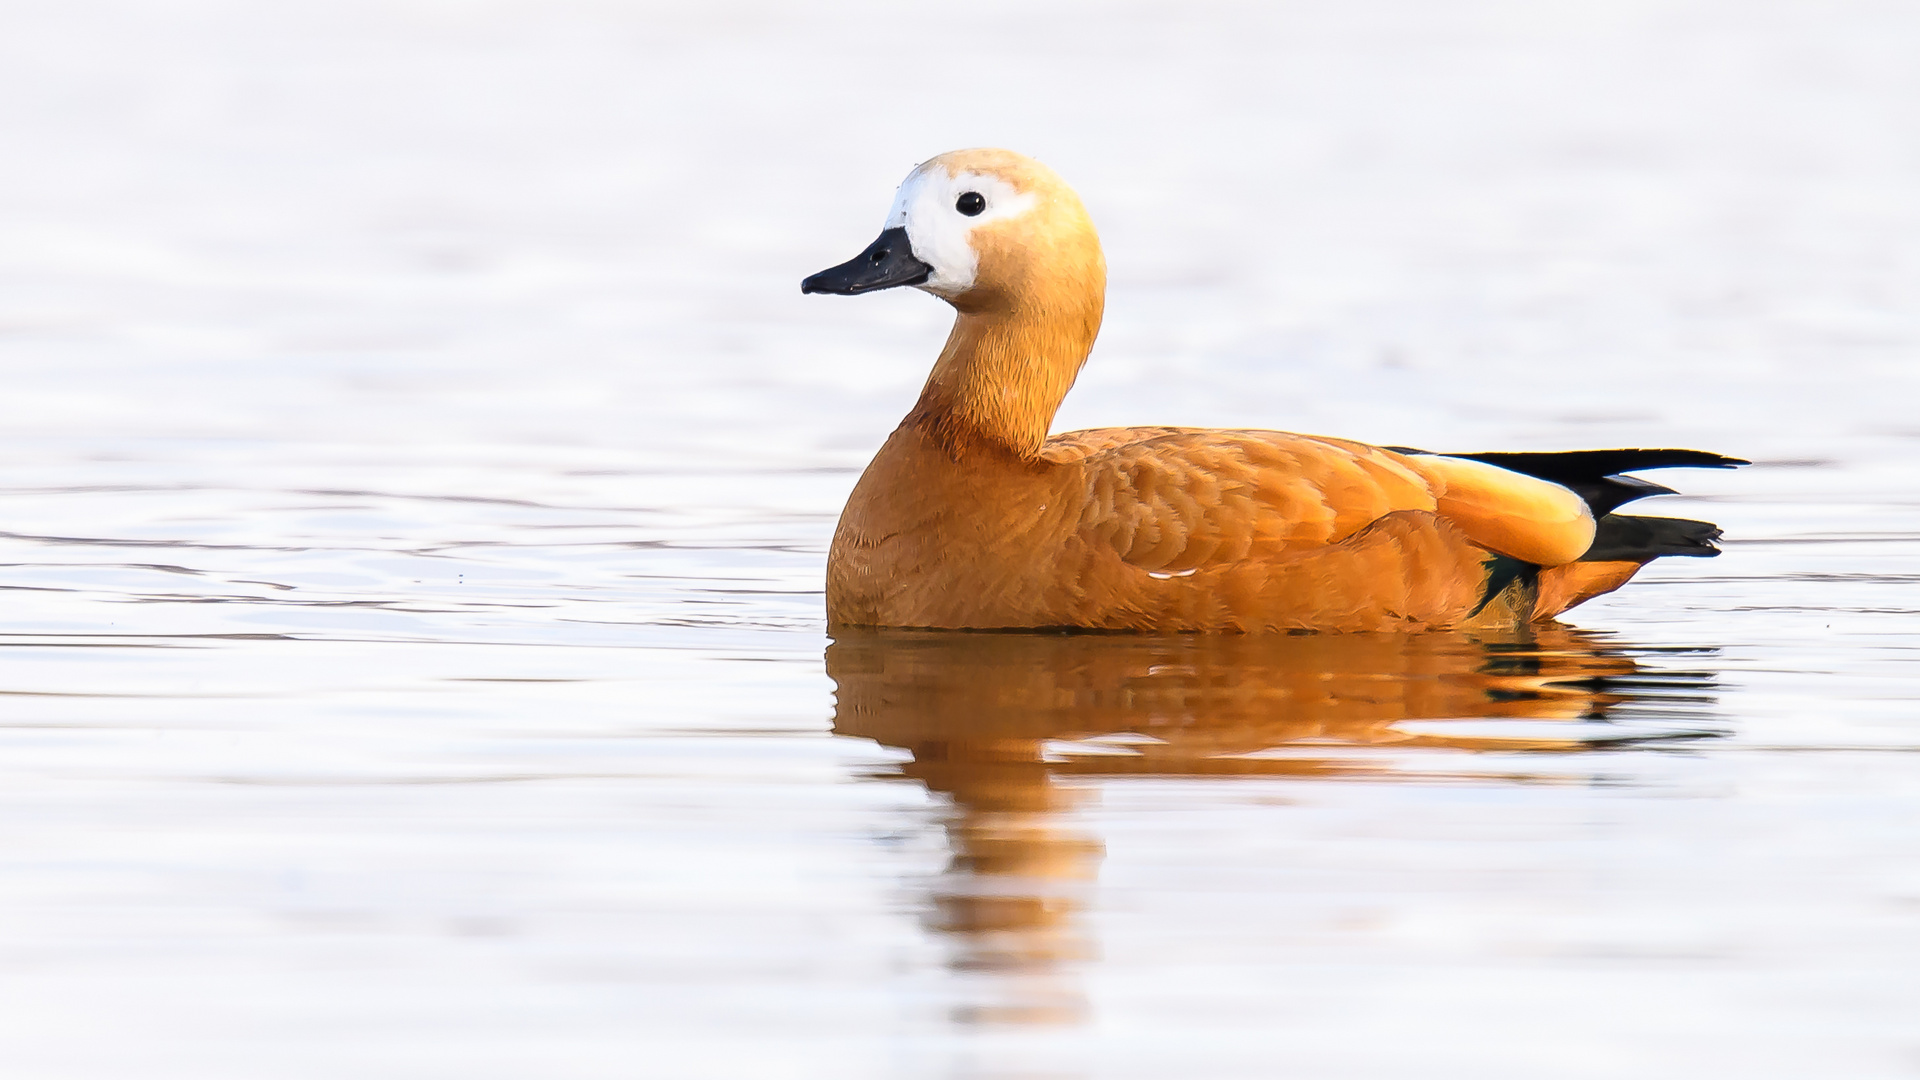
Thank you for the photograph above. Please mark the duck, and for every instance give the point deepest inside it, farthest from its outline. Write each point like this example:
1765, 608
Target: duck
972, 516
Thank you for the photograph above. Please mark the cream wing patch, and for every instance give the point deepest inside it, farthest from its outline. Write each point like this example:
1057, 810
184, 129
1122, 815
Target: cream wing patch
942, 236
1522, 516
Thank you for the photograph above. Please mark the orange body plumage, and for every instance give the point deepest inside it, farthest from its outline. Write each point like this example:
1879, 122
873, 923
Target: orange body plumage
972, 517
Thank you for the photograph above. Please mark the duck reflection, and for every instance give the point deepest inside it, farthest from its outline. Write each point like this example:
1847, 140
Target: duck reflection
992, 719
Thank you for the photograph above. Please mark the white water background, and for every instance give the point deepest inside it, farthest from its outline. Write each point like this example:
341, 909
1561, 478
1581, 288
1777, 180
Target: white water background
417, 461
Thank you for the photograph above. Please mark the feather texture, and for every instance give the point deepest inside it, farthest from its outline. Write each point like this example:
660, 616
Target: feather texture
971, 517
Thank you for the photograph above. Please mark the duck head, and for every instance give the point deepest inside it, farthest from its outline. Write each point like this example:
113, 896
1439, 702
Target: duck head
982, 230
1007, 243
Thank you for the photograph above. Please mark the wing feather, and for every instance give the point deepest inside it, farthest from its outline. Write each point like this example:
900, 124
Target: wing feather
1170, 500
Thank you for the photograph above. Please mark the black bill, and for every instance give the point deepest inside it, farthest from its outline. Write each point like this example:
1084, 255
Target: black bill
887, 262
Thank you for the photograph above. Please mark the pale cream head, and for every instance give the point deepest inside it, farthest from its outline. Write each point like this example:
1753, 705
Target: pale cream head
994, 220
1009, 245
941, 204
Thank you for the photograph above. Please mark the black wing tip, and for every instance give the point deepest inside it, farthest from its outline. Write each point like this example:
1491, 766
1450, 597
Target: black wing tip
1644, 487
1595, 463
1609, 493
1547, 464
1598, 476
1685, 459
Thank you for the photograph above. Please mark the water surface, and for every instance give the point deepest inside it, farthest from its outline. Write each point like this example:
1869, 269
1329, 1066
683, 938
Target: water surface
418, 463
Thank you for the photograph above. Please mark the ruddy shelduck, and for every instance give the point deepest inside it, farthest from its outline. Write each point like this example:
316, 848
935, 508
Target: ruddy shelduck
972, 517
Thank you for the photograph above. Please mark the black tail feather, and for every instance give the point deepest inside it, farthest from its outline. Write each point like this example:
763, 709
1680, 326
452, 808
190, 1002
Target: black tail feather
1594, 475
1633, 538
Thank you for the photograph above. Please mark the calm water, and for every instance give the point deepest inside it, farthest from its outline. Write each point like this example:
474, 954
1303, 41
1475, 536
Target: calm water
418, 464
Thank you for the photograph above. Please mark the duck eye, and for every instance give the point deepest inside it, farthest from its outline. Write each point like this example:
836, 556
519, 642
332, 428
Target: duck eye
970, 203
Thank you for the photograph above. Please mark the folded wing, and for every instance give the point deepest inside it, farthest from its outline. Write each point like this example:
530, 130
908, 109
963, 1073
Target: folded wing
1176, 501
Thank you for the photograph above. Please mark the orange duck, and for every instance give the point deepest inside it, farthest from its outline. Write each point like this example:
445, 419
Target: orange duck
972, 517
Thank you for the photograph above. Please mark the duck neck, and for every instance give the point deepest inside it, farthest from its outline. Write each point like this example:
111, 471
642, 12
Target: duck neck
1002, 377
